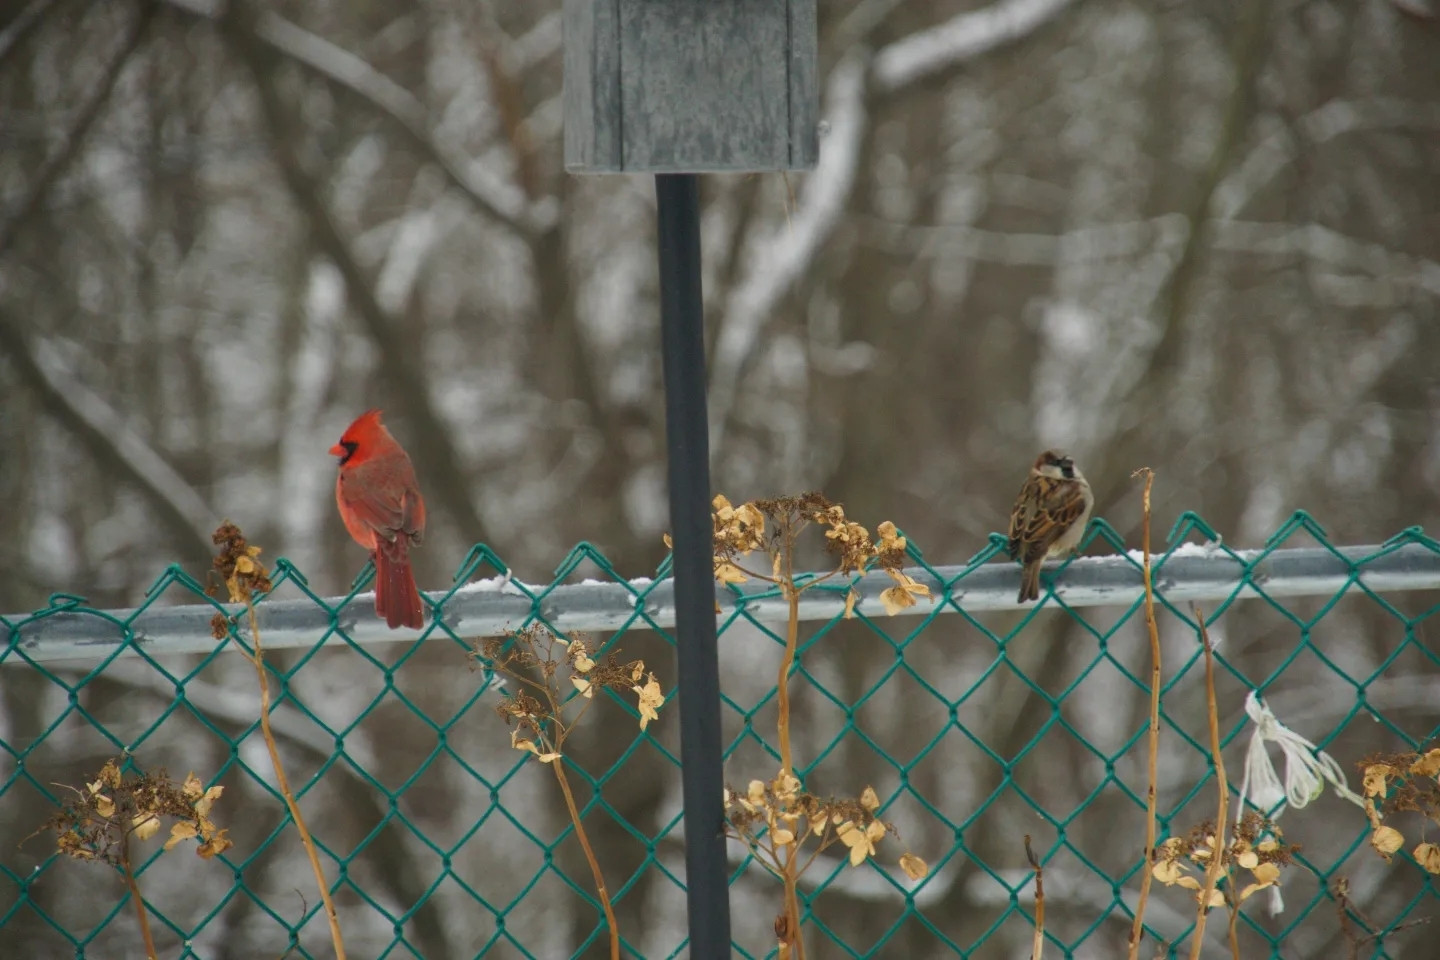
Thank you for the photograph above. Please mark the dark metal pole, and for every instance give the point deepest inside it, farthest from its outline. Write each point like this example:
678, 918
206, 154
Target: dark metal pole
687, 436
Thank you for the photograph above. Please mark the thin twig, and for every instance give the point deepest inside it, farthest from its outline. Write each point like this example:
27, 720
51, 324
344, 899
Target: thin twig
816, 581
826, 842
1038, 946
258, 659
1217, 865
575, 720
753, 574
1345, 907
761, 855
1341, 890
614, 928
534, 684
140, 912
1137, 929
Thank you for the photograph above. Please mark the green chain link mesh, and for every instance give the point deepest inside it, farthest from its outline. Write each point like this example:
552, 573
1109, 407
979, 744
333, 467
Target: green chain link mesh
975, 729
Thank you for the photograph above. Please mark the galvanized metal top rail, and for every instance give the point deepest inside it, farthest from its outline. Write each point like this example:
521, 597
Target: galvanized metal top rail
492, 607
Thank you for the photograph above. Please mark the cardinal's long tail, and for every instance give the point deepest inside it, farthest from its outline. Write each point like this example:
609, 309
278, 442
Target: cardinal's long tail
1029, 582
396, 598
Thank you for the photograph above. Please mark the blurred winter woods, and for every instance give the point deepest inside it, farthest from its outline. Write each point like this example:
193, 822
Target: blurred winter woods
1203, 237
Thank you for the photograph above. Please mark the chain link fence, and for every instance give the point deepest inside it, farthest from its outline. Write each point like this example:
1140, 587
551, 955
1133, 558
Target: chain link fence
977, 723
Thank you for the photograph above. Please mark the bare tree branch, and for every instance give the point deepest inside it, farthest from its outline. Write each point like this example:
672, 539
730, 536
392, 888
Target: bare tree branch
21, 27
776, 264
1172, 304
494, 49
1122, 241
399, 355
859, 23
1239, 110
103, 432
541, 41
89, 111
1331, 247
1333, 119
505, 202
961, 38
86, 415
1089, 243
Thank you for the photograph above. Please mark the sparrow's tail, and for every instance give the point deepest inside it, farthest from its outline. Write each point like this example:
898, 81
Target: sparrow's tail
396, 598
1029, 582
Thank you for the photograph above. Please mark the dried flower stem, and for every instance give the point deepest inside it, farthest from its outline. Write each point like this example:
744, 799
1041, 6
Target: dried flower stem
1340, 890
787, 663
1137, 929
1038, 946
601, 890
529, 657
792, 905
1217, 866
140, 912
740, 531
258, 659
559, 767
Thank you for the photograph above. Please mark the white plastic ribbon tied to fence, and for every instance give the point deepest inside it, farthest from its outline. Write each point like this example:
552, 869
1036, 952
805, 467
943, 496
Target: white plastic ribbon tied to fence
1307, 770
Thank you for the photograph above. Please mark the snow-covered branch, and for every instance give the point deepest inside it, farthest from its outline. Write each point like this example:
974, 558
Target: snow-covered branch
1321, 125
539, 43
961, 38
1327, 246
1090, 243
777, 262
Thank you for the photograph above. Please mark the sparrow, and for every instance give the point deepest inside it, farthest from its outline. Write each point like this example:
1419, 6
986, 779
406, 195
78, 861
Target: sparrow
1049, 517
382, 508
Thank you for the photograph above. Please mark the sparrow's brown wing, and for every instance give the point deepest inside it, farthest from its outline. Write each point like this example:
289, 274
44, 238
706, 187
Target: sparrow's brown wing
1022, 517
1046, 508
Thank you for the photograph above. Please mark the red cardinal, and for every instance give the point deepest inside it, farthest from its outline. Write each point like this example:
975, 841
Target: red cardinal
384, 512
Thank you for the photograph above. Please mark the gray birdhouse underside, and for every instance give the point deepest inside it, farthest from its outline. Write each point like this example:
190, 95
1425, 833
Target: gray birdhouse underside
690, 86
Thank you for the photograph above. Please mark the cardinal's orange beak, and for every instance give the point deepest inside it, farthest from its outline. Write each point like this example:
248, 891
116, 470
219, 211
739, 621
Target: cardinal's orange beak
337, 451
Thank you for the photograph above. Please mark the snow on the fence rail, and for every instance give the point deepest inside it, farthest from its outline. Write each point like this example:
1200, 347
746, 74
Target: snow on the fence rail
495, 605
1203, 550
501, 584
1207, 549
